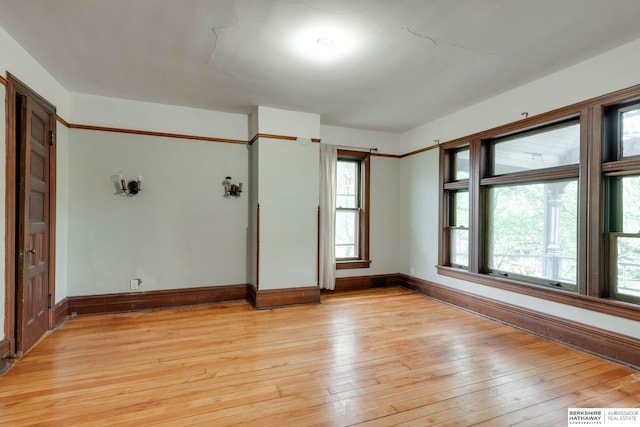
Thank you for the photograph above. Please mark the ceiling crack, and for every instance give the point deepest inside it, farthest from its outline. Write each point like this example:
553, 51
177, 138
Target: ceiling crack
215, 30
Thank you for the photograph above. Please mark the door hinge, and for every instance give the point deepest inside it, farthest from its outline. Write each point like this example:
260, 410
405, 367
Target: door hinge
52, 137
50, 301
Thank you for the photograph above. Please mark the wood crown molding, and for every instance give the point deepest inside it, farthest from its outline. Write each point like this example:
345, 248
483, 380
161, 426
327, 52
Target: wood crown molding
3, 81
610, 345
133, 301
282, 137
150, 133
276, 298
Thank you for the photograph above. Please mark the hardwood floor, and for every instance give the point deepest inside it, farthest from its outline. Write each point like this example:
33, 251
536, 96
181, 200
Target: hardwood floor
372, 358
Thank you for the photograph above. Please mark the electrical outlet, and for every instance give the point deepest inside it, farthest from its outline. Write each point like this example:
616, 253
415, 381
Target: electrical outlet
135, 283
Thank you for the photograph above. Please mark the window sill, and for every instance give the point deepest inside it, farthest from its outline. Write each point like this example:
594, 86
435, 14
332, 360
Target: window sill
602, 305
349, 265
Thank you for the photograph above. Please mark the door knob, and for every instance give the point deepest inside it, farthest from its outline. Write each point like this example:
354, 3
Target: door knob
31, 251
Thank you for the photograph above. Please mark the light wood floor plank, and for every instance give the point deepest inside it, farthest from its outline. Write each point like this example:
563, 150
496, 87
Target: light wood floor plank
375, 358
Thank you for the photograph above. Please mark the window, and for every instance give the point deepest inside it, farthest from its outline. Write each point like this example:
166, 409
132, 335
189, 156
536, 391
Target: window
549, 206
623, 186
352, 210
527, 208
457, 219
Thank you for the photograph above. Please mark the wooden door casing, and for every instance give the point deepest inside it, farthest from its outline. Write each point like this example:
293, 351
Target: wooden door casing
30, 217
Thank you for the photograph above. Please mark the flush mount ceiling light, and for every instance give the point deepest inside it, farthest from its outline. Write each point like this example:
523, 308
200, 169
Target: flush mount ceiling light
323, 43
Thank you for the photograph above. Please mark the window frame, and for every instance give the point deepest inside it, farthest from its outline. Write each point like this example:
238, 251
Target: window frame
364, 170
595, 165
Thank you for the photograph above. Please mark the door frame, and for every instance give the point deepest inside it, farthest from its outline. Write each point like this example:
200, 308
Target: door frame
14, 88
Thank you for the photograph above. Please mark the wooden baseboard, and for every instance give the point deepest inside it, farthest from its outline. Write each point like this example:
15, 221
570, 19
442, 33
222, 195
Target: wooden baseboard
61, 312
365, 282
110, 303
5, 352
610, 345
276, 298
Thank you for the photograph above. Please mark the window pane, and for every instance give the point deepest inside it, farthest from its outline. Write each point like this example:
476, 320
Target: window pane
462, 164
631, 133
533, 230
555, 147
628, 266
462, 209
459, 244
347, 184
346, 234
631, 204
460, 247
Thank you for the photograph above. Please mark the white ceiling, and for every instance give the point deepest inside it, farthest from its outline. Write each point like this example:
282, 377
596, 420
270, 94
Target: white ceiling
395, 65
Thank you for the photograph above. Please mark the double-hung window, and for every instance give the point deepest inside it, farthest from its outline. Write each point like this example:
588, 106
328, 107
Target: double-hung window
457, 216
622, 177
352, 210
532, 205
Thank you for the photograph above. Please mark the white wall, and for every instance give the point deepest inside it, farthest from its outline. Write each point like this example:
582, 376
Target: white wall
419, 231
385, 142
289, 123
178, 232
288, 197
611, 71
137, 115
62, 211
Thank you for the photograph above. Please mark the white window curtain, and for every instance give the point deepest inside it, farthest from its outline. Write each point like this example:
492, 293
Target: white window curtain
328, 162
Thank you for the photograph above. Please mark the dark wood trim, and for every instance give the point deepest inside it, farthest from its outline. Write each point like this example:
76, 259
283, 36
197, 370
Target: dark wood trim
359, 283
61, 312
350, 265
604, 343
390, 156
318, 248
276, 298
10, 221
152, 133
5, 354
561, 172
62, 121
134, 301
282, 137
251, 295
422, 150
258, 246
3, 81
53, 149
601, 305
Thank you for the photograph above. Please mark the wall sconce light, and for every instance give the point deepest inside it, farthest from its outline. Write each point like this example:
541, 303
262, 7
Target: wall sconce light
231, 190
132, 187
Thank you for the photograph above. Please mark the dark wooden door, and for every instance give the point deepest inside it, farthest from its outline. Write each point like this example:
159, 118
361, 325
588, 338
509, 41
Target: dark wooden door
33, 142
